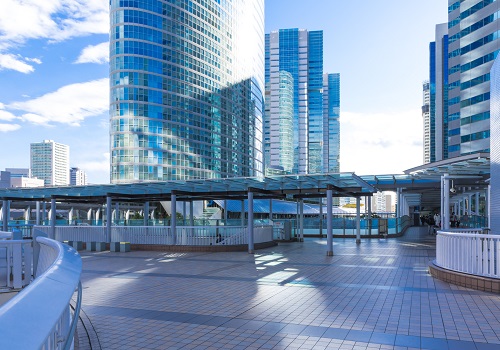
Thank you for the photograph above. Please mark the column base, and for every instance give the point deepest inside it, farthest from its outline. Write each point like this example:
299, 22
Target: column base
358, 240
251, 252
329, 253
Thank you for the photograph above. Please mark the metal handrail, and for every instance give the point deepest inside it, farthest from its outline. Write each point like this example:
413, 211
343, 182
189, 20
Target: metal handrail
76, 316
36, 308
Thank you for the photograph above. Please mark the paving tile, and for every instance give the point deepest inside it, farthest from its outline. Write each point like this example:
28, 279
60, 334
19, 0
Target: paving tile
375, 295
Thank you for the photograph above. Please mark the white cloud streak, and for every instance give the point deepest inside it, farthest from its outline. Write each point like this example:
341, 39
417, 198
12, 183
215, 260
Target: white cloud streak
13, 62
9, 127
380, 143
70, 104
55, 20
95, 54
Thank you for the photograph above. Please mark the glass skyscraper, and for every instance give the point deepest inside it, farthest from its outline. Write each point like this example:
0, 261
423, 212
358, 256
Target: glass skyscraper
331, 123
300, 53
438, 96
473, 33
187, 83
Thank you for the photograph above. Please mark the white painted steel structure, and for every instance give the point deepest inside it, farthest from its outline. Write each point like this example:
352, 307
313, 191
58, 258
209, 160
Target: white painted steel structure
469, 251
39, 316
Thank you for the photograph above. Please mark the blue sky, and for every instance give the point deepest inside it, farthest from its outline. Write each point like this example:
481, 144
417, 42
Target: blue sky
54, 76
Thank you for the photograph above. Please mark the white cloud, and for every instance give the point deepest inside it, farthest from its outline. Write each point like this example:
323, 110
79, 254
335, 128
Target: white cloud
7, 116
70, 104
9, 127
9, 61
55, 20
95, 54
380, 143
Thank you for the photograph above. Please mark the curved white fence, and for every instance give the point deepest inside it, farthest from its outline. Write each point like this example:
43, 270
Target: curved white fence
39, 316
471, 253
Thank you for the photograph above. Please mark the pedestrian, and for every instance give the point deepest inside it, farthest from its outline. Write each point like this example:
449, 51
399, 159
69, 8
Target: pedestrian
453, 220
437, 221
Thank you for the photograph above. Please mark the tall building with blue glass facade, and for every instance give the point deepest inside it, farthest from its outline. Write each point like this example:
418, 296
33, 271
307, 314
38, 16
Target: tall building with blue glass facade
186, 89
300, 53
331, 123
438, 96
473, 32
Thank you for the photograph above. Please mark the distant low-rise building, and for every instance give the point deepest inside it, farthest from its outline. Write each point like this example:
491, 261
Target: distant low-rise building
78, 177
18, 177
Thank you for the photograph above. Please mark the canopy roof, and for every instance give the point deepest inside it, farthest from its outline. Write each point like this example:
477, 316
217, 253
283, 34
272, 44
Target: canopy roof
296, 186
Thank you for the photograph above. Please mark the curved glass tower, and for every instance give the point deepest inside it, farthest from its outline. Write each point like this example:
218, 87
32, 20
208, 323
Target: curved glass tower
187, 82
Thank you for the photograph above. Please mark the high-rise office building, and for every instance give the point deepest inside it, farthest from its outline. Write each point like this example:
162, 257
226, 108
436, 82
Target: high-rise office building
187, 83
473, 45
77, 177
300, 53
426, 118
438, 95
331, 123
278, 127
50, 162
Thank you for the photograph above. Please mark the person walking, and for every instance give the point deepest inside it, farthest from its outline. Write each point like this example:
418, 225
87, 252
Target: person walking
453, 219
437, 222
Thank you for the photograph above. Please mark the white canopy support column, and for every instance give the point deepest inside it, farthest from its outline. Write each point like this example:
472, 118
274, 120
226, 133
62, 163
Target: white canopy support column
173, 217
445, 218
146, 213
321, 217
191, 214
70, 216
52, 218
488, 203
398, 204
301, 220
225, 210
27, 214
97, 215
109, 218
37, 216
329, 224
469, 204
270, 209
368, 201
358, 220
5, 215
250, 223
44, 212
476, 207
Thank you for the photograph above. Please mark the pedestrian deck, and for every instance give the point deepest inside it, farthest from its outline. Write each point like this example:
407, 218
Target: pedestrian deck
376, 295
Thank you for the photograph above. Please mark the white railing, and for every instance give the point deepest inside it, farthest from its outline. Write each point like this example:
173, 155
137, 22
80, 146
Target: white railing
185, 235
39, 316
263, 234
141, 234
15, 263
76, 233
471, 253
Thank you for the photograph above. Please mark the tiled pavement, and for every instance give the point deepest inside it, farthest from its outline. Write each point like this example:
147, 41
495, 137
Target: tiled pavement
376, 295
